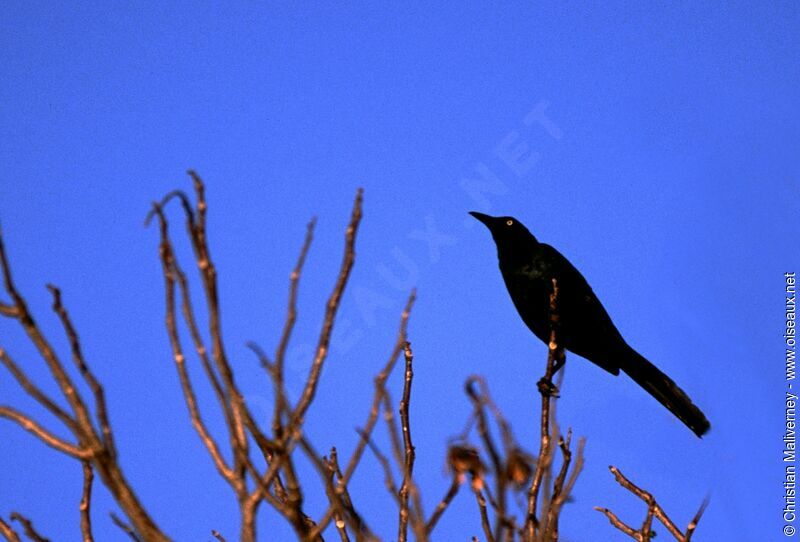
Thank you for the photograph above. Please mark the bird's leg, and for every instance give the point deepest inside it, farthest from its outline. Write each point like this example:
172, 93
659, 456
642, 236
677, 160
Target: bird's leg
545, 384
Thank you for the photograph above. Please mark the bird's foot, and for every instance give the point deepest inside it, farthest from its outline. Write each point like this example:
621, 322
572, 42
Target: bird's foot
547, 388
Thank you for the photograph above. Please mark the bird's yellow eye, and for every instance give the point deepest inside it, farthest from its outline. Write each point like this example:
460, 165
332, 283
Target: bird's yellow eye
509, 222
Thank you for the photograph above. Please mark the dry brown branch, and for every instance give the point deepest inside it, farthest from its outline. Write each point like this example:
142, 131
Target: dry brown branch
263, 466
338, 495
92, 445
332, 307
562, 486
555, 358
43, 434
218, 536
452, 491
479, 401
125, 528
85, 372
392, 429
654, 510
85, 506
27, 528
340, 499
171, 271
281, 404
24, 317
8, 533
380, 388
297, 415
618, 523
696, 519
238, 419
37, 394
487, 530
409, 453
388, 477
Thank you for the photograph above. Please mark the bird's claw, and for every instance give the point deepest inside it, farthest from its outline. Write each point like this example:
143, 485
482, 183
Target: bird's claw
547, 388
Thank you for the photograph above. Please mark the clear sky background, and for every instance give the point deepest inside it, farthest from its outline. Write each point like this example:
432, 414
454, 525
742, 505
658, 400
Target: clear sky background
666, 170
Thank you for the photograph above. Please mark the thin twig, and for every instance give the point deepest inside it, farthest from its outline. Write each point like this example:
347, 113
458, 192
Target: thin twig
478, 400
409, 487
618, 523
127, 529
487, 530
332, 307
57, 370
452, 491
37, 393
8, 533
388, 478
408, 446
85, 506
380, 387
546, 389
169, 271
654, 510
338, 495
27, 527
83, 368
288, 327
696, 519
27, 423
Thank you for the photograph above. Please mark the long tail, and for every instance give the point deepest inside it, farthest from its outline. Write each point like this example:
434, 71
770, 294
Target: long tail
666, 391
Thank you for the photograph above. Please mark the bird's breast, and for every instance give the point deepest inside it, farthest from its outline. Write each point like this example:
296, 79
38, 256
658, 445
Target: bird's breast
530, 291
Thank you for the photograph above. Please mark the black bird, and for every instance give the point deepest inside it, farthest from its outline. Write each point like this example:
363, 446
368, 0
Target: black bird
585, 328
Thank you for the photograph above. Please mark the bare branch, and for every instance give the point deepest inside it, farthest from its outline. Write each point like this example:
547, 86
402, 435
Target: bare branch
562, 485
91, 446
618, 523
338, 494
478, 401
555, 357
83, 368
487, 530
332, 308
309, 391
85, 506
36, 393
27, 527
443, 504
291, 317
380, 387
169, 272
388, 478
8, 310
127, 529
696, 519
653, 510
55, 366
408, 486
8, 533
43, 434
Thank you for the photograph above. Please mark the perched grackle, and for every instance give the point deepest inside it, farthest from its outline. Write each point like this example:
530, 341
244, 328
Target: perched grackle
584, 326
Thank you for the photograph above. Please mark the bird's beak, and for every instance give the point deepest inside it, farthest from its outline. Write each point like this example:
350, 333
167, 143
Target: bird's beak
486, 219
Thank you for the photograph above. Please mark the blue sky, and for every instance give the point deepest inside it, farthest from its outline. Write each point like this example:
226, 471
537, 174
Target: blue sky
663, 163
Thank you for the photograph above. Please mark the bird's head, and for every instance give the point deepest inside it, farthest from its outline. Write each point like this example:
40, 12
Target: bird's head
507, 231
